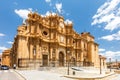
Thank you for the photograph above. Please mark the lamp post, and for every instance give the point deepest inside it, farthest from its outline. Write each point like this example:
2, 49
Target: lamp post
116, 64
68, 52
100, 65
110, 63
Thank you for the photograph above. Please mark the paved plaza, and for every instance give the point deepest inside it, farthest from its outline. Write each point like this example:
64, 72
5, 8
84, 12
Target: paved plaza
10, 75
61, 74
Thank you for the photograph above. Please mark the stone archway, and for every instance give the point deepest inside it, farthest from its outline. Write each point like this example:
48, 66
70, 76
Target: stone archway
61, 59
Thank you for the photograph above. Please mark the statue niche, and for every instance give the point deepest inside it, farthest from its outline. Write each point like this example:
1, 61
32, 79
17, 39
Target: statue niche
33, 20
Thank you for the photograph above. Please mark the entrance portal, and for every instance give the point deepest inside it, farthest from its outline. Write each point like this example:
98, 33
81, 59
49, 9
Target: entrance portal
45, 60
61, 59
84, 62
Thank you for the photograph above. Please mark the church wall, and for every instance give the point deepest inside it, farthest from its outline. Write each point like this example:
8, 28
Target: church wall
97, 59
47, 41
19, 51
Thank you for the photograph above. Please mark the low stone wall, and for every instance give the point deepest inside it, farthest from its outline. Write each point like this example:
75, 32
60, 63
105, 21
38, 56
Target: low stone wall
106, 77
117, 71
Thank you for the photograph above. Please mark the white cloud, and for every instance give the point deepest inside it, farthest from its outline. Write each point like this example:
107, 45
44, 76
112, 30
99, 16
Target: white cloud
109, 14
101, 50
23, 13
112, 54
1, 34
10, 42
47, 1
67, 21
48, 13
2, 48
59, 7
111, 37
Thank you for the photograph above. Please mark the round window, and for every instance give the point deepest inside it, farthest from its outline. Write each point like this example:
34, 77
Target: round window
45, 33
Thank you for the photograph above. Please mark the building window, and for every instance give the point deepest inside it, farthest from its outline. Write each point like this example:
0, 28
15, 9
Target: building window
53, 53
73, 41
45, 33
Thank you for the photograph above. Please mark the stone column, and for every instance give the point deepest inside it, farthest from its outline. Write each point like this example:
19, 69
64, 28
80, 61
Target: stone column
40, 56
65, 62
37, 49
19, 48
38, 29
37, 54
26, 49
50, 60
31, 51
20, 52
23, 46
57, 58
33, 28
81, 58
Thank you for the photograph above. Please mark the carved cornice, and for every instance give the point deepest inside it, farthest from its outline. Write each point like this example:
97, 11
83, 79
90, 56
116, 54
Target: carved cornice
93, 43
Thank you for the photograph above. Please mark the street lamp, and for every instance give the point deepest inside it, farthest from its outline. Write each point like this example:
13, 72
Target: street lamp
110, 63
116, 64
68, 52
100, 64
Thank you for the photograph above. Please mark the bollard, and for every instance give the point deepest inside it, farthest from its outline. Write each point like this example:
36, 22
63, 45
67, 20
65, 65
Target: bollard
73, 72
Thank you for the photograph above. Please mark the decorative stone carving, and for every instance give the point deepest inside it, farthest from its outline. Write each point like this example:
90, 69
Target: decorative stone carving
61, 24
44, 49
51, 31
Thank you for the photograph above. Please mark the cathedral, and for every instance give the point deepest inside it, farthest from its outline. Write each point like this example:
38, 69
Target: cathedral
51, 41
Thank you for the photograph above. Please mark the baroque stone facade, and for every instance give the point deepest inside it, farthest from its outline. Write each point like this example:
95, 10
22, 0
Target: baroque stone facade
52, 41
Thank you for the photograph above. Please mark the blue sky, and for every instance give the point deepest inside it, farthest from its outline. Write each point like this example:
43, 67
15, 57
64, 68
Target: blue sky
99, 17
